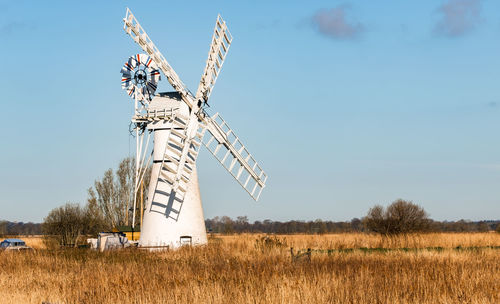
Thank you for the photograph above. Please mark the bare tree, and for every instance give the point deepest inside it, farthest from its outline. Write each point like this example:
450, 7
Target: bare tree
356, 224
124, 185
376, 221
106, 198
113, 195
3, 228
94, 214
66, 223
144, 186
228, 225
399, 217
241, 223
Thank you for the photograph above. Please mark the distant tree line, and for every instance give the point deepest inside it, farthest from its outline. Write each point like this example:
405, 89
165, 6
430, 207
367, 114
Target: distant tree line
20, 228
227, 225
399, 217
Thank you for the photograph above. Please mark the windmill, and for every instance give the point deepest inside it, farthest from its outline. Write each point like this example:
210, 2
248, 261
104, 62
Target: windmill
180, 125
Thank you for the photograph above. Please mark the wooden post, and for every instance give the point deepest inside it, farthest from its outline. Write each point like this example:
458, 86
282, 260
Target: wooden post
126, 213
142, 201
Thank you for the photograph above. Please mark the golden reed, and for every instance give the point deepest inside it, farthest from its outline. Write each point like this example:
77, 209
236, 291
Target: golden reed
243, 269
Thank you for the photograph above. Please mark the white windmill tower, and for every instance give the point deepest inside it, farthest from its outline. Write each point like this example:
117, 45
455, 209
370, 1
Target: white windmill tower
173, 213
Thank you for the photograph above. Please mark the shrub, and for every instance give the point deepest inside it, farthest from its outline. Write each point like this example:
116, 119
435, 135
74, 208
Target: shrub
66, 223
399, 217
267, 242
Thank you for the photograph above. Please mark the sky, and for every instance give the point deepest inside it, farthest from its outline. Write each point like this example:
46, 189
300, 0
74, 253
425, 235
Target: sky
345, 104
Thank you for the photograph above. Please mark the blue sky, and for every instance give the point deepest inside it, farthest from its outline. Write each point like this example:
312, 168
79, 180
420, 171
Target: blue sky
346, 104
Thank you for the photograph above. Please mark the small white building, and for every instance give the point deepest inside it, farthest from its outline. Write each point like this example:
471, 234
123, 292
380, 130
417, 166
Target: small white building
109, 241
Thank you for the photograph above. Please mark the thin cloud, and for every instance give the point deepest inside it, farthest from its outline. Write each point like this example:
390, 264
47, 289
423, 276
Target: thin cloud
492, 104
334, 24
269, 25
12, 27
4, 6
458, 17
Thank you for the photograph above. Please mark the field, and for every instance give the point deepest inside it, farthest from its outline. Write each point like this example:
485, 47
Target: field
246, 269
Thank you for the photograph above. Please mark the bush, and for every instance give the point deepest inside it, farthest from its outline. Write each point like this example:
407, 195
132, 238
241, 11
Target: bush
267, 242
399, 217
66, 224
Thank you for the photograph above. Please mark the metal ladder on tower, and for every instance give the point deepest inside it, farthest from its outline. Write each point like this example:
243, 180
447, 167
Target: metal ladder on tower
175, 171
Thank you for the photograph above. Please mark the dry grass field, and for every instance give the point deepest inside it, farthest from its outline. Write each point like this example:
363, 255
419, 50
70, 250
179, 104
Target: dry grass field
240, 269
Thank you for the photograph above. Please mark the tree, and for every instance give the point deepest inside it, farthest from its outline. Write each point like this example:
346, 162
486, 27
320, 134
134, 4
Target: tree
241, 224
107, 199
356, 224
399, 217
227, 224
3, 228
66, 223
319, 227
483, 227
124, 187
96, 222
376, 221
113, 195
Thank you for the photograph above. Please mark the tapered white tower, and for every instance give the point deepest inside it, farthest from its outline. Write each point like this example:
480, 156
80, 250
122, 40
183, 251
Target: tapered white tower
173, 214
168, 221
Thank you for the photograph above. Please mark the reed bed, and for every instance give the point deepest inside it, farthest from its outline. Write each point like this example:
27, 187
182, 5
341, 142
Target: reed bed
36, 241
243, 269
367, 240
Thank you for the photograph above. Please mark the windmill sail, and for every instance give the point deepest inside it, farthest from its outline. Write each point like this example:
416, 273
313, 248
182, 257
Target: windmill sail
221, 40
227, 148
191, 124
138, 34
